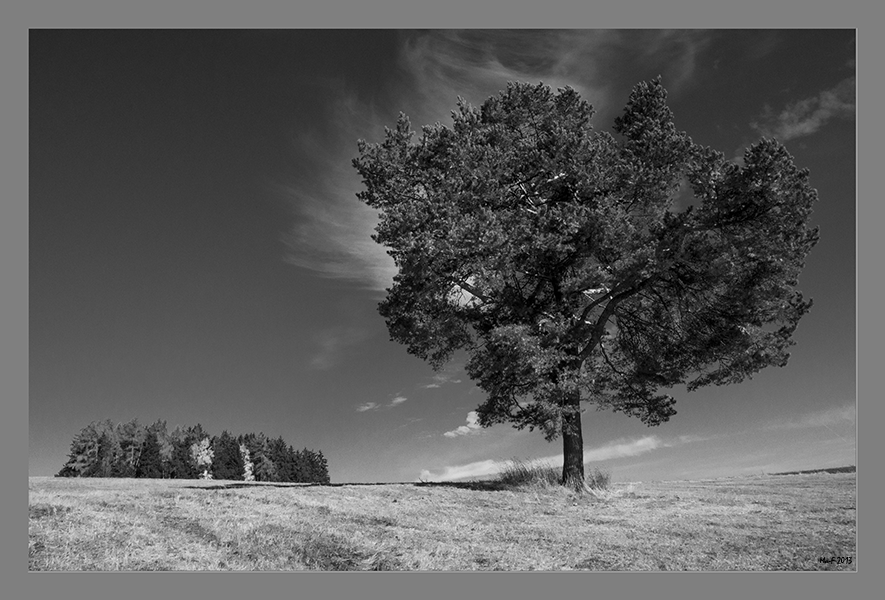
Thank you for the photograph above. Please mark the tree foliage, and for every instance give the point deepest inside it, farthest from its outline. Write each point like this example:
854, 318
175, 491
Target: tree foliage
149, 464
181, 464
574, 265
202, 454
102, 449
165, 443
227, 463
248, 466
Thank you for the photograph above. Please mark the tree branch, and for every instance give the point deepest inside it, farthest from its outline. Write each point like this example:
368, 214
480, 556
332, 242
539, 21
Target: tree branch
599, 327
472, 290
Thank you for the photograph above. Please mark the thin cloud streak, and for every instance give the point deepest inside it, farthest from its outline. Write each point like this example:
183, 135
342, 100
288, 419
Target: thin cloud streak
367, 406
843, 415
397, 401
482, 468
476, 64
676, 52
331, 236
441, 379
615, 450
331, 230
807, 116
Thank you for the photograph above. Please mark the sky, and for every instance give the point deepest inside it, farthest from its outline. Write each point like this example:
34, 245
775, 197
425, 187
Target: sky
197, 253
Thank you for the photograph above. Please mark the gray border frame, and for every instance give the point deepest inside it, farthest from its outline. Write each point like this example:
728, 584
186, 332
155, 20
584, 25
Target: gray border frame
20, 16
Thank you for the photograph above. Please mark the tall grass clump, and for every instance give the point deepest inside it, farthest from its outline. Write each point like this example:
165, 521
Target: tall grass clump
518, 473
598, 480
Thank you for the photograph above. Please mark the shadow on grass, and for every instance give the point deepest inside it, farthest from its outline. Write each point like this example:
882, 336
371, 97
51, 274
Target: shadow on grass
476, 486
484, 486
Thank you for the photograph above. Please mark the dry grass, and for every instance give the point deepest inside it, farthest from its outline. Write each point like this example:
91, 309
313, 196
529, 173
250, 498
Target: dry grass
517, 474
748, 524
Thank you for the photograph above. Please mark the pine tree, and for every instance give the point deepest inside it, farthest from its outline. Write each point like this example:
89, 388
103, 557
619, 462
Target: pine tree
267, 471
150, 465
258, 450
302, 467
564, 263
257, 447
79, 455
131, 437
182, 465
322, 468
291, 463
86, 457
165, 441
102, 449
226, 462
115, 464
279, 453
100, 464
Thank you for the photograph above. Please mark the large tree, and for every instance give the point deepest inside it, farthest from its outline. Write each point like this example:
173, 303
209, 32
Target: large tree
574, 265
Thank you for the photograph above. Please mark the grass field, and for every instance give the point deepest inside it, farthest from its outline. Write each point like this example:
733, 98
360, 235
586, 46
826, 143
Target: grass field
757, 523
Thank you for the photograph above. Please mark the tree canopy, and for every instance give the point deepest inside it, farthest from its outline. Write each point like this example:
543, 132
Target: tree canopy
102, 449
575, 265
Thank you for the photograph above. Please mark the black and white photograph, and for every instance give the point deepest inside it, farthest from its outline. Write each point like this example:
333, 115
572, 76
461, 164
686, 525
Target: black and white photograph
442, 300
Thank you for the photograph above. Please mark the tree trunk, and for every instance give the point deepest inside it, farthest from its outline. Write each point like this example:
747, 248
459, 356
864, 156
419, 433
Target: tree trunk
572, 446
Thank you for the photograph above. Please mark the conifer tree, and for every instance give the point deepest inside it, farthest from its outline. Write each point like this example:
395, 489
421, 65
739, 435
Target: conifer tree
182, 465
165, 442
322, 468
267, 470
149, 464
131, 436
102, 449
226, 462
567, 266
83, 458
100, 465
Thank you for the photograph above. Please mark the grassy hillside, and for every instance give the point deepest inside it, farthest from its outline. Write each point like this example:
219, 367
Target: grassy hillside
754, 523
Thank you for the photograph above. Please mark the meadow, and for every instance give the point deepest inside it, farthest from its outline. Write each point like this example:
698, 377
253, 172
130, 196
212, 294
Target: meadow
756, 523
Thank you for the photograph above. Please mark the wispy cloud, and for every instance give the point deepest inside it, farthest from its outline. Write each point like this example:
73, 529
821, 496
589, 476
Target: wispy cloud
614, 450
441, 379
471, 427
332, 342
482, 468
331, 229
331, 236
620, 449
397, 401
807, 116
366, 406
676, 52
475, 64
841, 415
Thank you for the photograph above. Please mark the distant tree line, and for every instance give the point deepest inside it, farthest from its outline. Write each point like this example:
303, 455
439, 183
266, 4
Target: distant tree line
103, 449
